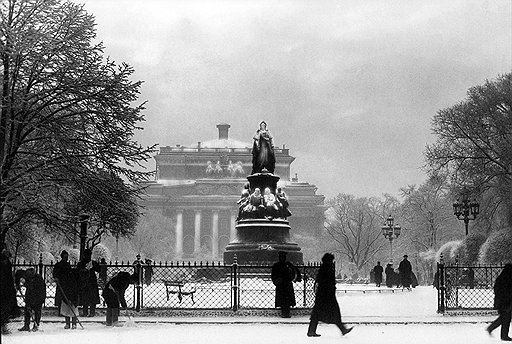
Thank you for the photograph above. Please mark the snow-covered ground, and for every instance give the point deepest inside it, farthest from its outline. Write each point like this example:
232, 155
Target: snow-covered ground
257, 334
384, 317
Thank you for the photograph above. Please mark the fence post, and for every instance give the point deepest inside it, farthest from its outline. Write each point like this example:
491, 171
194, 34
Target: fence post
138, 285
442, 287
41, 264
234, 272
305, 281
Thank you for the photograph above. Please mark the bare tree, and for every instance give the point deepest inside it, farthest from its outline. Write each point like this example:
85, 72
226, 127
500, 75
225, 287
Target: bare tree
67, 115
354, 224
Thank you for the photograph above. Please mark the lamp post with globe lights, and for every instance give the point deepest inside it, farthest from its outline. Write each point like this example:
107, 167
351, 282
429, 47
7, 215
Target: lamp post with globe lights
391, 232
466, 209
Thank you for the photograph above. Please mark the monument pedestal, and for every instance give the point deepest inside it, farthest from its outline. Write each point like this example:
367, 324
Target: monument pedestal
259, 240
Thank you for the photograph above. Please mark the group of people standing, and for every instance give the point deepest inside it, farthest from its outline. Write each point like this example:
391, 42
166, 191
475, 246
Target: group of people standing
75, 286
405, 277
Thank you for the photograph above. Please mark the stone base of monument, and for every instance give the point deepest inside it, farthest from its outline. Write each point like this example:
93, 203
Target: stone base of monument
259, 240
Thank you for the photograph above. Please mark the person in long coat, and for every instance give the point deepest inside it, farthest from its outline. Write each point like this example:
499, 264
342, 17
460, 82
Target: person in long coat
503, 302
8, 304
390, 275
88, 293
113, 294
326, 308
66, 279
405, 271
283, 275
35, 295
377, 274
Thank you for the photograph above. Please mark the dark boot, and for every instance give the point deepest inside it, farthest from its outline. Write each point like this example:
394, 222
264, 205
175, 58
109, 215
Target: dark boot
68, 323
312, 329
115, 317
109, 317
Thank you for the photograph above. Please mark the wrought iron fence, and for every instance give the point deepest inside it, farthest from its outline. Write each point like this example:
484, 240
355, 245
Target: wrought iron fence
466, 287
187, 285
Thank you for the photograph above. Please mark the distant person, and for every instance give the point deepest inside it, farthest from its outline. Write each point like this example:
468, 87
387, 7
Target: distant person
377, 274
414, 280
8, 304
35, 295
435, 283
284, 274
113, 294
102, 275
88, 282
148, 271
405, 270
503, 302
390, 275
326, 308
66, 293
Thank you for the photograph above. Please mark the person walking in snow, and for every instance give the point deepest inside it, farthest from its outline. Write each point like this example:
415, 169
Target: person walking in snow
503, 302
404, 271
326, 308
377, 274
283, 275
66, 294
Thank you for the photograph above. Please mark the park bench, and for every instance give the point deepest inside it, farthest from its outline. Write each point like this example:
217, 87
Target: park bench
175, 287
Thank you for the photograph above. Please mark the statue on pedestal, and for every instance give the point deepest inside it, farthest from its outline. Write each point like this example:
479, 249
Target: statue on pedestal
263, 157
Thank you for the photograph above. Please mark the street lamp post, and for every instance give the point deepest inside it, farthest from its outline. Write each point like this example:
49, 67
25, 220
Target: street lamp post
391, 232
466, 209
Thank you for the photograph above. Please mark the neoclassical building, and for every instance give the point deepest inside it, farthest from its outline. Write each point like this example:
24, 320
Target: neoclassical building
199, 186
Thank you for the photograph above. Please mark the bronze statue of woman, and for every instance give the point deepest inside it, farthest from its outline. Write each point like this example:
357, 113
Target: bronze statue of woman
263, 150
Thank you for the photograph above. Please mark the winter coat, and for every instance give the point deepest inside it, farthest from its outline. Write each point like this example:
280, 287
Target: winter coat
390, 276
8, 304
114, 290
67, 278
326, 306
503, 290
405, 270
35, 288
377, 273
283, 274
88, 283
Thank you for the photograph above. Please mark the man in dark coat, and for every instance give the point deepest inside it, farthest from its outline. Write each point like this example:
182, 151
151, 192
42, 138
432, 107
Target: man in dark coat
8, 304
283, 275
390, 275
113, 294
326, 308
503, 302
405, 270
35, 295
88, 294
66, 279
377, 274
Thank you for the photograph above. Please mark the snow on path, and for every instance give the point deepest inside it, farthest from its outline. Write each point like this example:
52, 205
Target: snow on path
255, 334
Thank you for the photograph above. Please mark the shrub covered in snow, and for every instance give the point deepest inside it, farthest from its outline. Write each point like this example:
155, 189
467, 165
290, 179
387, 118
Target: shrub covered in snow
497, 248
448, 251
469, 249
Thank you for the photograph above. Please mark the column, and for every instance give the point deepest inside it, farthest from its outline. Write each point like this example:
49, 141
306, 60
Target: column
179, 233
232, 229
197, 232
215, 234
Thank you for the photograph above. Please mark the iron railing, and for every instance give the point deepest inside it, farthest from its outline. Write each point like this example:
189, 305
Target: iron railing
192, 285
464, 287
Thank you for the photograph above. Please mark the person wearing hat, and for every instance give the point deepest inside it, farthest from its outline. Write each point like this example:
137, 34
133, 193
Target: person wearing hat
35, 295
405, 273
390, 275
88, 293
66, 279
326, 308
283, 275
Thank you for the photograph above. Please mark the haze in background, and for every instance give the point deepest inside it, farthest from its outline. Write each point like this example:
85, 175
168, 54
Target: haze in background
349, 86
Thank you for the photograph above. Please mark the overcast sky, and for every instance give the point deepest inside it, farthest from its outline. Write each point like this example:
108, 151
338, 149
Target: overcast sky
349, 86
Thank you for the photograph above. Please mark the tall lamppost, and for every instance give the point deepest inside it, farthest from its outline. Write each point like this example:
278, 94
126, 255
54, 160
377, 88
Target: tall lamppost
466, 209
391, 232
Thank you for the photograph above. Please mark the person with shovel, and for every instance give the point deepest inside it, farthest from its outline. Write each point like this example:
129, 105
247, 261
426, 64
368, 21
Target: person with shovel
66, 294
113, 294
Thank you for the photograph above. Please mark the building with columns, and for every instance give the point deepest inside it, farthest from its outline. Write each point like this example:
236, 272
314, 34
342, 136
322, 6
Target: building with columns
199, 186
